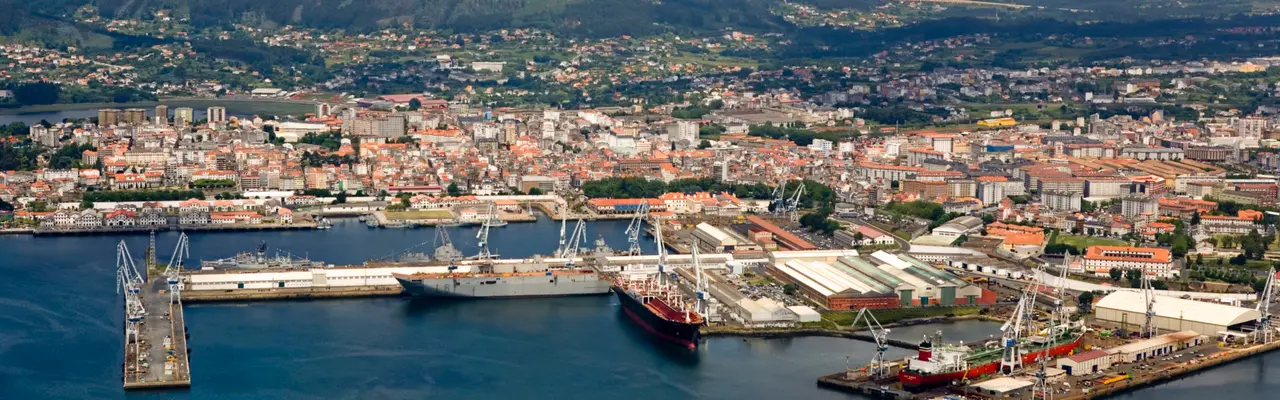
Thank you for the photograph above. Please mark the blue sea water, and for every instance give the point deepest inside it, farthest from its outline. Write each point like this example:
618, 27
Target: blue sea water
60, 336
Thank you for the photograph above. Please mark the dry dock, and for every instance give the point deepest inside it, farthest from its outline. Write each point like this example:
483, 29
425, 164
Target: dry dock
159, 359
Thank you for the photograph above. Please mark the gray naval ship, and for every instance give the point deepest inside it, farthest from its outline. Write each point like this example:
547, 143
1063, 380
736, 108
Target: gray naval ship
260, 260
532, 278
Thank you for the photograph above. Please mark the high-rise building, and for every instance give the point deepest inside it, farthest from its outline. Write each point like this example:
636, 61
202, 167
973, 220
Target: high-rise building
1139, 204
683, 132
323, 109
108, 117
183, 117
162, 115
135, 116
216, 114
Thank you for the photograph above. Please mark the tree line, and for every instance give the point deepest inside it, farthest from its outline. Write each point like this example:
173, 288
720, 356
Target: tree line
141, 195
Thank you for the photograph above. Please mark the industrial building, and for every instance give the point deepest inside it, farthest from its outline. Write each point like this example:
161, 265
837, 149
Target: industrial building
842, 280
966, 225
1086, 363
1155, 347
1173, 314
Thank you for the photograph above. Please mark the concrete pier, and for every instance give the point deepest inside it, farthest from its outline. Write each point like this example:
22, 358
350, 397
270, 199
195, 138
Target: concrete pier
158, 360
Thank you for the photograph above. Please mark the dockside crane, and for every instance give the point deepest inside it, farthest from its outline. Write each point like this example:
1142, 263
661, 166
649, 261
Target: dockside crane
1266, 332
482, 238
878, 368
130, 282
779, 199
1149, 294
560, 250
576, 240
633, 230
1011, 359
1041, 389
701, 290
793, 204
173, 270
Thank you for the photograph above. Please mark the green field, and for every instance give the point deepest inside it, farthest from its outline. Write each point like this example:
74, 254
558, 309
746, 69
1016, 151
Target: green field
1082, 242
425, 214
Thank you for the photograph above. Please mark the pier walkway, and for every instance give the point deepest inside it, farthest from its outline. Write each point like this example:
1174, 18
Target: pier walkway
159, 360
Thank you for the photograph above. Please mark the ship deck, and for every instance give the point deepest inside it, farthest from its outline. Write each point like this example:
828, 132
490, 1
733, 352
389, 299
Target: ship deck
573, 272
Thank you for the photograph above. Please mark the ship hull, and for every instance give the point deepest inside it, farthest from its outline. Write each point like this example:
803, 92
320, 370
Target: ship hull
506, 287
917, 381
680, 333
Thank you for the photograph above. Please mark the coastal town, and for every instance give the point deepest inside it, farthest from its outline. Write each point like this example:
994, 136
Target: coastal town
1114, 209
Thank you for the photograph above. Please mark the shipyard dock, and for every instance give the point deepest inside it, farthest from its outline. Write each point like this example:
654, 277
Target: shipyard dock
1121, 379
158, 358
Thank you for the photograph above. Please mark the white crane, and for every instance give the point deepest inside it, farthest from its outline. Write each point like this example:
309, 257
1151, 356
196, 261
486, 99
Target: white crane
1149, 293
483, 239
576, 240
130, 282
1265, 332
173, 270
701, 291
662, 250
1011, 359
878, 368
637, 224
560, 250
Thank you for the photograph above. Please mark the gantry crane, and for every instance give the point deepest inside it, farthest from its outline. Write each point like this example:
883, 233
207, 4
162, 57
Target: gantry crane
878, 368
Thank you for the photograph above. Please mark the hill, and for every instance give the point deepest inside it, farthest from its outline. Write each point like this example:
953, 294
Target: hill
596, 18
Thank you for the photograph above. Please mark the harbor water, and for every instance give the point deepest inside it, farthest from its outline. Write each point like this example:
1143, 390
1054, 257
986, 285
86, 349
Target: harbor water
60, 338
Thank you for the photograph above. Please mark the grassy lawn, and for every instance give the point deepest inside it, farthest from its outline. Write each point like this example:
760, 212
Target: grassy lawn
1086, 241
425, 214
844, 318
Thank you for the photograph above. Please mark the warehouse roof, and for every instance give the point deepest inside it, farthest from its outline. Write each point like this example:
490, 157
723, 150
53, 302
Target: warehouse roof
1173, 307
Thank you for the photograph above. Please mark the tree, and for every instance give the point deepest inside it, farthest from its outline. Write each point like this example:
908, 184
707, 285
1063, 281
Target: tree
414, 104
341, 198
1195, 219
535, 191
453, 189
1134, 276
86, 204
1085, 301
704, 144
1116, 274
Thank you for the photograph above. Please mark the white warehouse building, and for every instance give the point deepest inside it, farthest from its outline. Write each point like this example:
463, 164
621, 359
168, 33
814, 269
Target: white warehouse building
1173, 314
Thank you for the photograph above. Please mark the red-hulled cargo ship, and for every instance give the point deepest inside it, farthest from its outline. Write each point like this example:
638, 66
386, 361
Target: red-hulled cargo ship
944, 364
659, 310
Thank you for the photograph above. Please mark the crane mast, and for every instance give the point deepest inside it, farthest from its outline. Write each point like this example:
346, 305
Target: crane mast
633, 230
1266, 332
1149, 294
173, 270
878, 368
